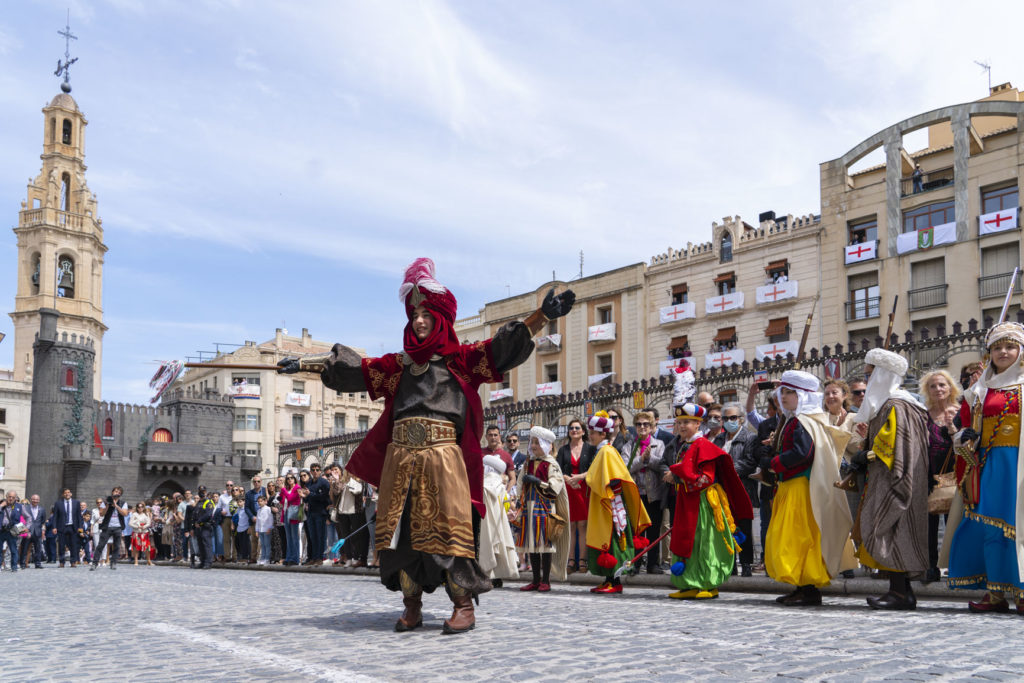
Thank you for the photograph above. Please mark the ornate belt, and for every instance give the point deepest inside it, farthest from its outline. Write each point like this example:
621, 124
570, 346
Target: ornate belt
422, 432
1007, 433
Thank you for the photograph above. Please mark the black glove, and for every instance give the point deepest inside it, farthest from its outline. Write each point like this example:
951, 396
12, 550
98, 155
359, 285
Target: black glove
288, 366
859, 461
555, 306
969, 435
530, 479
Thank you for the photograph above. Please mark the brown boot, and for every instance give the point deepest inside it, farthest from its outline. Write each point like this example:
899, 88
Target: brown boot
462, 618
412, 617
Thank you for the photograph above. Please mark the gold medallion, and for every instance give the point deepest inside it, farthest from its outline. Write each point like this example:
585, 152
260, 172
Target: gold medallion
416, 433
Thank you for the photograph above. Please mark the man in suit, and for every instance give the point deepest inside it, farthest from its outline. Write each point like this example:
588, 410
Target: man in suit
68, 520
35, 520
10, 514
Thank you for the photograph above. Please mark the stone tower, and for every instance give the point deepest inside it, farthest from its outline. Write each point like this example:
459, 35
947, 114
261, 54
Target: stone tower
60, 244
60, 440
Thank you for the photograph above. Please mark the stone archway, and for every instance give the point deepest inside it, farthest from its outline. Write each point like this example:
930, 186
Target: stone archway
167, 488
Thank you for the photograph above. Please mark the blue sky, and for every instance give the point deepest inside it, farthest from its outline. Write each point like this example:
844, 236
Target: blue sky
260, 164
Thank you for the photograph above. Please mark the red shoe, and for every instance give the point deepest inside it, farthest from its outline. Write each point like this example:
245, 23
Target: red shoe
530, 587
987, 604
544, 587
608, 588
597, 589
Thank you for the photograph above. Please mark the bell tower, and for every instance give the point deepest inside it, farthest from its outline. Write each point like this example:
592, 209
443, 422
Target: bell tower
60, 239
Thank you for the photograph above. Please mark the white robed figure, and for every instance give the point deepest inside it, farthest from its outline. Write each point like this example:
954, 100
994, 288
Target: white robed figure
498, 557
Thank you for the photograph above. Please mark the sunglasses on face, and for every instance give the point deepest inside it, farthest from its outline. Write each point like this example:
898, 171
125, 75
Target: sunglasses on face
575, 428
643, 424
733, 418
858, 392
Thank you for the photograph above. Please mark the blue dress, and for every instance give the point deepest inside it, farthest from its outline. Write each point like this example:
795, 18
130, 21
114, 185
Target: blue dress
983, 554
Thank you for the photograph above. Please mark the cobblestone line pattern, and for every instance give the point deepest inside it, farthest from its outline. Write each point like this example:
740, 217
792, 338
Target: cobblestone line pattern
174, 624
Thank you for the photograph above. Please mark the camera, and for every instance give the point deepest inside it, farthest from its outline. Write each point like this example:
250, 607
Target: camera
764, 386
110, 500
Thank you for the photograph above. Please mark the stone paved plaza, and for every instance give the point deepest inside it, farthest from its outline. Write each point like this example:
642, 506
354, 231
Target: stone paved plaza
170, 623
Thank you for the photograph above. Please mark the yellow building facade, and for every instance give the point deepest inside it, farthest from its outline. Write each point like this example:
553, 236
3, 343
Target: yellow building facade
273, 409
937, 227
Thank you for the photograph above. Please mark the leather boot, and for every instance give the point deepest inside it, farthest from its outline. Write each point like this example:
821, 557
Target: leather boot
412, 617
462, 618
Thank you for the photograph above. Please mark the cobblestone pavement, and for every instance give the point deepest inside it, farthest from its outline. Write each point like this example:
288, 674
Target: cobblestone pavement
168, 623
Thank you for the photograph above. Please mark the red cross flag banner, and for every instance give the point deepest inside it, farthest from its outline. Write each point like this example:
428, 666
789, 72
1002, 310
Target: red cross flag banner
723, 359
668, 367
926, 238
725, 302
855, 253
771, 351
778, 291
671, 314
499, 394
997, 221
549, 389
603, 332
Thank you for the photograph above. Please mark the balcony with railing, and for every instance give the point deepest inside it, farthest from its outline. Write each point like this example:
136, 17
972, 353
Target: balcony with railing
863, 309
927, 297
932, 180
990, 286
49, 216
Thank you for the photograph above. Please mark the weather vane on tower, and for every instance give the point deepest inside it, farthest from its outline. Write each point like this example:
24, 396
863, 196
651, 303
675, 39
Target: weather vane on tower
65, 66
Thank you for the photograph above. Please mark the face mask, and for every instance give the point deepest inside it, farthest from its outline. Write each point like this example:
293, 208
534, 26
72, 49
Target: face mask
732, 427
713, 425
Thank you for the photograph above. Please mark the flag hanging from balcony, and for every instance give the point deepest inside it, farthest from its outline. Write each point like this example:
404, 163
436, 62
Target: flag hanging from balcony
723, 359
671, 314
549, 389
771, 351
725, 302
855, 253
997, 221
778, 291
926, 238
499, 394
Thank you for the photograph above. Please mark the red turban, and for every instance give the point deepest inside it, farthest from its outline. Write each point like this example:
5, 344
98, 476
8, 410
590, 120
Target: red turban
419, 288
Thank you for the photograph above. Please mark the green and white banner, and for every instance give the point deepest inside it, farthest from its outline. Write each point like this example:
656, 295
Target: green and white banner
926, 238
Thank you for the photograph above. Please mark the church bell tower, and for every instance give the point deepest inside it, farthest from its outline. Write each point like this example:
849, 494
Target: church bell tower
60, 240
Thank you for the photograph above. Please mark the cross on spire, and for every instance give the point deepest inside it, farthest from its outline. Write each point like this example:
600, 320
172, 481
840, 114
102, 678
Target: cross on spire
65, 66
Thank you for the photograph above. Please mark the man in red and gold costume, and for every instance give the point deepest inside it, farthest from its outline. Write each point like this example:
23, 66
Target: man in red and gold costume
423, 453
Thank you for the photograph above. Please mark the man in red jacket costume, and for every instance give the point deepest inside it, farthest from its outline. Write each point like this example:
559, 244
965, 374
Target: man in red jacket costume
424, 452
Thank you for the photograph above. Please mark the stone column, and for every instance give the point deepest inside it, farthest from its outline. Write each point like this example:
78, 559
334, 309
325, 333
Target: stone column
893, 178
961, 124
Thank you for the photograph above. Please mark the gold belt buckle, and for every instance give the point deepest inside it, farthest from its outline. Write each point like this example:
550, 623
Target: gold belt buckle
416, 433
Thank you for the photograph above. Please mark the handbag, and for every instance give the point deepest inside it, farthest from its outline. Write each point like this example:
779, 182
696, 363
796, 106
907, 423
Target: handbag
556, 525
18, 529
941, 497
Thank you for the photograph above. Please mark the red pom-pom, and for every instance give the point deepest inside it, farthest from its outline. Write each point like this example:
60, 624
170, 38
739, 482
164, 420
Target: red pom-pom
606, 560
640, 542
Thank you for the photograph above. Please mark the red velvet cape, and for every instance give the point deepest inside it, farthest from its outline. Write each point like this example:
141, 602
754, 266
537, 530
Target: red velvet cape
703, 457
471, 365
